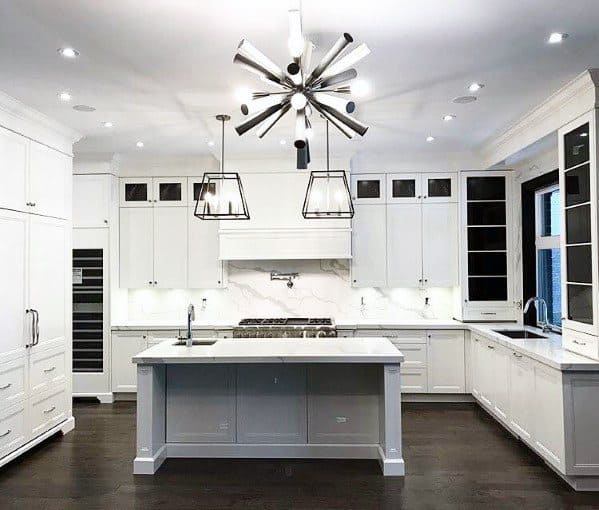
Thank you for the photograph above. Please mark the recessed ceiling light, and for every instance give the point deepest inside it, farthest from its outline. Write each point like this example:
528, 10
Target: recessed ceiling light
210, 143
139, 145
463, 99
68, 52
84, 108
449, 117
65, 96
556, 38
475, 87
283, 142
108, 124
430, 138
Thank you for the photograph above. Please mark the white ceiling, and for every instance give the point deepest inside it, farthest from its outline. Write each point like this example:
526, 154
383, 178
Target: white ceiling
161, 69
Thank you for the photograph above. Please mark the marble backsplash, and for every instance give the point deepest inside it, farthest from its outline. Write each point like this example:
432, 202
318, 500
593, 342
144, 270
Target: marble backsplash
322, 290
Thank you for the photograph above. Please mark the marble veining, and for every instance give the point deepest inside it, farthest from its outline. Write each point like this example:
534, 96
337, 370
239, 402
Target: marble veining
322, 289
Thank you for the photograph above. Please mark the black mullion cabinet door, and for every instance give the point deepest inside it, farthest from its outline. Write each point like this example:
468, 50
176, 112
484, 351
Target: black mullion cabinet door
487, 238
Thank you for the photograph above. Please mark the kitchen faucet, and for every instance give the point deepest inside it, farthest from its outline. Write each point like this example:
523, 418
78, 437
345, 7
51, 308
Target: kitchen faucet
539, 302
191, 316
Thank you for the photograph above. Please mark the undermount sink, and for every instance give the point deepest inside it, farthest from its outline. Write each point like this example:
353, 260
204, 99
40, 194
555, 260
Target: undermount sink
518, 333
196, 341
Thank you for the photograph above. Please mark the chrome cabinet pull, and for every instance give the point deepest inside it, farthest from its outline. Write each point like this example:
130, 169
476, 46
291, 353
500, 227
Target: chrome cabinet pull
51, 369
517, 355
6, 433
6, 386
490, 347
32, 343
48, 411
579, 343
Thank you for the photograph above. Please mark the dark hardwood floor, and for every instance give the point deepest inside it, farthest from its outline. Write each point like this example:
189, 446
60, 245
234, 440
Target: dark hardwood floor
456, 457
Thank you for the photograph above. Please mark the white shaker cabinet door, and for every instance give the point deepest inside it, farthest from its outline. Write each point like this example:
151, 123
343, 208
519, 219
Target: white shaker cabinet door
446, 366
13, 319
440, 244
205, 270
521, 384
124, 346
47, 275
50, 175
13, 171
136, 247
404, 245
500, 380
369, 246
91, 201
170, 247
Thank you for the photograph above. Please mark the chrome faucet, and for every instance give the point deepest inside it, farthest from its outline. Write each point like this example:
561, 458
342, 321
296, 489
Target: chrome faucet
541, 306
191, 316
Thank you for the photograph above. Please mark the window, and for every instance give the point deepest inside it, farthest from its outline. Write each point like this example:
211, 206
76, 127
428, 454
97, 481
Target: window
547, 245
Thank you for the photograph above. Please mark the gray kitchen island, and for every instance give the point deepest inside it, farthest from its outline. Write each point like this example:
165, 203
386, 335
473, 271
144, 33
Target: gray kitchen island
270, 398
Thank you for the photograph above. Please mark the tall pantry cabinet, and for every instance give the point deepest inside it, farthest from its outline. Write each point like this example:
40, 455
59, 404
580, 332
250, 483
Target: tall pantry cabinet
35, 270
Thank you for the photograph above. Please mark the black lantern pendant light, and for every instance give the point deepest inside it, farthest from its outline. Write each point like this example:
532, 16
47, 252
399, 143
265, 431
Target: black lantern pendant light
328, 194
221, 193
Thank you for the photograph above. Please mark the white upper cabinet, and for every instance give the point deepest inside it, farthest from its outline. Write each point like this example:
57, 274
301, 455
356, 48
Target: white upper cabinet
439, 187
47, 276
13, 299
404, 245
440, 244
404, 188
136, 192
369, 246
368, 188
204, 269
136, 261
170, 191
13, 170
91, 200
50, 177
194, 186
170, 247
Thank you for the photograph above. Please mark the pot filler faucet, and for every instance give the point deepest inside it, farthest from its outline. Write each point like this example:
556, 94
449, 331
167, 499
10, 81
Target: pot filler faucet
541, 307
191, 316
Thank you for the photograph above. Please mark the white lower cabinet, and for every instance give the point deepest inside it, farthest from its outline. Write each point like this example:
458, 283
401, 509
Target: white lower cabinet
549, 415
521, 381
414, 380
47, 410
446, 370
13, 428
125, 345
13, 381
499, 383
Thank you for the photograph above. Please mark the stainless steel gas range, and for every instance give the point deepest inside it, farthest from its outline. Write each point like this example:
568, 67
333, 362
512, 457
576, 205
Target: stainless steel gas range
292, 327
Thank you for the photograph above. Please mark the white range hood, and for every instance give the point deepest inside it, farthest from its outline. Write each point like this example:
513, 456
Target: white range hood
276, 229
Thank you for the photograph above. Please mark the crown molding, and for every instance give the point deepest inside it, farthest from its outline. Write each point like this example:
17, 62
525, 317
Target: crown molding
32, 124
573, 100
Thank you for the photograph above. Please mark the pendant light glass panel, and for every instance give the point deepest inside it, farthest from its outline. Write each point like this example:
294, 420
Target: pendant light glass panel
328, 196
221, 197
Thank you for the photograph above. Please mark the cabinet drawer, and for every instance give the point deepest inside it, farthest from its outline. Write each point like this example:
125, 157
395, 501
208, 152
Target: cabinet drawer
12, 429
408, 336
47, 410
414, 354
581, 343
12, 382
413, 380
47, 368
488, 314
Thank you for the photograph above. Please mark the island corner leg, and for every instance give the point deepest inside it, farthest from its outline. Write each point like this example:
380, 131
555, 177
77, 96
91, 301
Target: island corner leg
390, 450
151, 419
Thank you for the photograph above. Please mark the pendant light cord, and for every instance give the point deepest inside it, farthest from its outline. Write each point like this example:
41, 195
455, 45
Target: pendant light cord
222, 148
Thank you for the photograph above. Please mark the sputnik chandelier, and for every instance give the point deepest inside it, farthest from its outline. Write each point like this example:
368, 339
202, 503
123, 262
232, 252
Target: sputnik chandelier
301, 89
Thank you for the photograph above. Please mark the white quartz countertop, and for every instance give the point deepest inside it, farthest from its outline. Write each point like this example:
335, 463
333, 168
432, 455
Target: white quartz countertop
545, 350
275, 350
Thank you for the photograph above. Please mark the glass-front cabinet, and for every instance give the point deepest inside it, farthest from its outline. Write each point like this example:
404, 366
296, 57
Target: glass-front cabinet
578, 180
153, 191
409, 188
486, 248
368, 189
